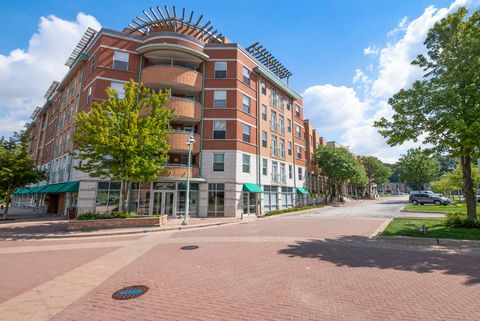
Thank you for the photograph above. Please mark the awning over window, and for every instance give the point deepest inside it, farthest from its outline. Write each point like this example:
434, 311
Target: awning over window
301, 190
53, 188
71, 187
21, 191
252, 188
36, 189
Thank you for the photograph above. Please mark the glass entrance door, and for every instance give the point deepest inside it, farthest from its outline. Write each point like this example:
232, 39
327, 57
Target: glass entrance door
249, 203
162, 203
169, 198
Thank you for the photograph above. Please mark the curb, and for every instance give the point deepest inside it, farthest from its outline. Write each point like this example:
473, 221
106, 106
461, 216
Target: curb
381, 228
144, 231
297, 212
430, 241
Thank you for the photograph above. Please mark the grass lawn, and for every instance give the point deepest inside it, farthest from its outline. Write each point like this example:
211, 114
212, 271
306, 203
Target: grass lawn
436, 229
460, 207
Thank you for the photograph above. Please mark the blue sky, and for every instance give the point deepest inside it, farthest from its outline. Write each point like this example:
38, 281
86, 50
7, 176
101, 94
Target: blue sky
322, 42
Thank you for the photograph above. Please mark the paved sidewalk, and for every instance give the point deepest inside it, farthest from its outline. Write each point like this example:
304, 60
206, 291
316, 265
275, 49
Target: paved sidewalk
58, 229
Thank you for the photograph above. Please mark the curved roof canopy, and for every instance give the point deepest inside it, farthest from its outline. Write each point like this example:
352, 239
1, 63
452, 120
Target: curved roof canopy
186, 22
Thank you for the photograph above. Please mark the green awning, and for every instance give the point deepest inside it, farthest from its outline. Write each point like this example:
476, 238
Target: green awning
19, 191
252, 188
53, 188
71, 187
24, 191
301, 190
36, 189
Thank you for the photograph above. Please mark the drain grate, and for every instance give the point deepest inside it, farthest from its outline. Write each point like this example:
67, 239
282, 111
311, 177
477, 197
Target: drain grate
189, 247
130, 292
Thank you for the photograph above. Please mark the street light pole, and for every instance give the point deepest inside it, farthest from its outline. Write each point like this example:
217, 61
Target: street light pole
190, 142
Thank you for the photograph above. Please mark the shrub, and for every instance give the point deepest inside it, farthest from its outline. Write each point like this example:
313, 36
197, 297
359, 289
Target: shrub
96, 216
293, 209
460, 219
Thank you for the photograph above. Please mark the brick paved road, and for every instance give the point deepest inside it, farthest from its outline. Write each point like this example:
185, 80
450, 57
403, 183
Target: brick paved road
281, 268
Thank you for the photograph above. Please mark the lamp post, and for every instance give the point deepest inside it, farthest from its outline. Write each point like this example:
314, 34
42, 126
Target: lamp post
190, 142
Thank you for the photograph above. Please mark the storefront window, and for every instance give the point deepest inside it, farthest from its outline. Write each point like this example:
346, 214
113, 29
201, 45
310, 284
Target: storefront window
270, 198
108, 197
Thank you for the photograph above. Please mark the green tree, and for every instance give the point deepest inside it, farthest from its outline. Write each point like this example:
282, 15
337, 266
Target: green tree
444, 107
125, 139
17, 168
376, 171
418, 167
340, 167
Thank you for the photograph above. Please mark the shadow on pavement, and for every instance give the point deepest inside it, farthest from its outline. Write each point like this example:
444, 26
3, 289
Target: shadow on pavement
354, 251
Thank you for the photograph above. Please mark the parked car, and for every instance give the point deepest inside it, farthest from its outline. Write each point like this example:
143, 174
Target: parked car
427, 198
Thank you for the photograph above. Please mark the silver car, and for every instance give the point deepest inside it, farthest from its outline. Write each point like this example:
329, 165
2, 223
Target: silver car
427, 198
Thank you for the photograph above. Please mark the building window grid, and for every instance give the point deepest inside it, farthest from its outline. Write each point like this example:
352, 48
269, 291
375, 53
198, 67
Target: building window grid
289, 148
220, 69
246, 75
219, 129
218, 162
264, 112
246, 133
264, 139
220, 99
246, 104
120, 60
264, 166
263, 86
245, 163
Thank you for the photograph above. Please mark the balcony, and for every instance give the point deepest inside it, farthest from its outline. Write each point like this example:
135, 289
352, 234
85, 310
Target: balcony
178, 142
172, 76
279, 178
185, 110
180, 170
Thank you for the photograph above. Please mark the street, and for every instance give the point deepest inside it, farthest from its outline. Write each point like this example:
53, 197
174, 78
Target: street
316, 266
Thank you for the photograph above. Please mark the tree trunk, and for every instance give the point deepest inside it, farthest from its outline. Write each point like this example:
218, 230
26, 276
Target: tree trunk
466, 165
123, 196
7, 206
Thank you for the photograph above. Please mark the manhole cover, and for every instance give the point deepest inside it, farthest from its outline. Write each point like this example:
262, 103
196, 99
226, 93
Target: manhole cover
189, 247
130, 292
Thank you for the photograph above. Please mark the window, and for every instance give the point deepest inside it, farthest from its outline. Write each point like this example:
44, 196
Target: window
299, 152
298, 132
246, 75
281, 124
264, 112
288, 103
274, 171
108, 197
287, 197
290, 171
289, 125
282, 148
297, 110
245, 163
92, 64
220, 99
282, 177
246, 104
219, 129
218, 162
118, 86
270, 198
263, 85
246, 133
120, 60
216, 200
280, 103
273, 98
289, 148
273, 121
190, 97
89, 93
264, 139
264, 166
300, 174
220, 69
274, 145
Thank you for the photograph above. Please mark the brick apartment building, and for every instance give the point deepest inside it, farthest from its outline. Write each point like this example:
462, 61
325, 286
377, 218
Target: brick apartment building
252, 151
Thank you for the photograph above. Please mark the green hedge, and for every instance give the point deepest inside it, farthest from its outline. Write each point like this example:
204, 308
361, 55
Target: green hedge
293, 209
460, 219
96, 216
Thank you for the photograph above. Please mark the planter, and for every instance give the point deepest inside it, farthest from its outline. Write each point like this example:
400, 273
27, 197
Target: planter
75, 225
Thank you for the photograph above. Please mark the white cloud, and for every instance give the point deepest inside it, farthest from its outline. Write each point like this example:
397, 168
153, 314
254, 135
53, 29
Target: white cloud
347, 114
26, 75
371, 51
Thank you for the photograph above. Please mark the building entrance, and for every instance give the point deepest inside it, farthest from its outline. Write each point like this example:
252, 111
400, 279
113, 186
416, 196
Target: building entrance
162, 203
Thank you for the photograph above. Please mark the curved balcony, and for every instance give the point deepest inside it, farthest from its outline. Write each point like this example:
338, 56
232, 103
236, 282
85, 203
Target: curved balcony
178, 142
185, 110
175, 170
161, 76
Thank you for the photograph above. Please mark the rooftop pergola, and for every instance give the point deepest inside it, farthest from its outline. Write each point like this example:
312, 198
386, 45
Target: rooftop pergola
87, 36
268, 60
156, 18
